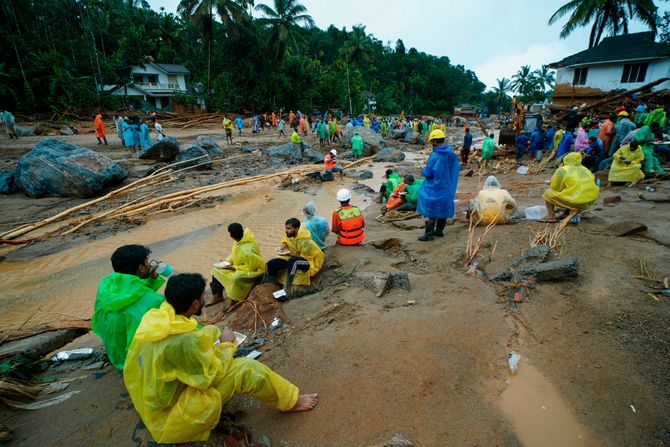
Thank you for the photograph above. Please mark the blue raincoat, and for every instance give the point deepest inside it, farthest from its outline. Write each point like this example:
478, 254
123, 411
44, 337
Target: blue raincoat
564, 146
145, 136
317, 225
436, 196
127, 135
536, 141
549, 139
136, 135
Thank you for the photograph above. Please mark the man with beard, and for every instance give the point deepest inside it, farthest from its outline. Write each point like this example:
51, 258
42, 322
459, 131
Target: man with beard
180, 374
123, 298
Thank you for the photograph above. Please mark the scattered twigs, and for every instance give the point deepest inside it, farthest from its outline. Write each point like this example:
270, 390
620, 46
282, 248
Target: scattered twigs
493, 251
552, 236
470, 249
646, 276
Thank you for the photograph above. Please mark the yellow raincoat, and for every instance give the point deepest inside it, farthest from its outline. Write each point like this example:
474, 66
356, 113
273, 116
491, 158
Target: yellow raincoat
179, 379
366, 122
306, 248
493, 203
629, 173
249, 266
573, 186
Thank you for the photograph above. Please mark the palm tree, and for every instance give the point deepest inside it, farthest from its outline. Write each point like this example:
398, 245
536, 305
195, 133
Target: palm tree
284, 23
201, 13
357, 49
606, 15
545, 78
523, 81
500, 90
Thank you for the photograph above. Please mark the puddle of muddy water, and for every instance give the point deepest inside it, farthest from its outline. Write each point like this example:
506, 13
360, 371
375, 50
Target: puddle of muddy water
539, 414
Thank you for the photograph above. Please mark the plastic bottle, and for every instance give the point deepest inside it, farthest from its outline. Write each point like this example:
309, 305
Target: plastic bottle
536, 212
598, 182
162, 269
513, 361
650, 189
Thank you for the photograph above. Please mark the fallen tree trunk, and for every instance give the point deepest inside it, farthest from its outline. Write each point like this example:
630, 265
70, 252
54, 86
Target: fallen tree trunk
625, 94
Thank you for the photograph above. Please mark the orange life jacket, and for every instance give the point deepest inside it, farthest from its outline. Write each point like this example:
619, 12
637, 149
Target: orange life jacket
351, 228
328, 162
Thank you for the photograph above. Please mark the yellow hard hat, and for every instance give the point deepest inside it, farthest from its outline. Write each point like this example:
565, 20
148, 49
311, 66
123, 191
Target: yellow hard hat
623, 113
437, 134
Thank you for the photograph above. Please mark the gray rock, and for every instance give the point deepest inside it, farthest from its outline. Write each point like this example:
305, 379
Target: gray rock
626, 227
503, 275
400, 280
359, 175
656, 196
207, 143
553, 271
192, 155
401, 134
140, 171
37, 346
250, 149
380, 282
533, 255
288, 152
7, 182
55, 168
310, 155
22, 131
164, 150
372, 140
398, 440
389, 154
65, 130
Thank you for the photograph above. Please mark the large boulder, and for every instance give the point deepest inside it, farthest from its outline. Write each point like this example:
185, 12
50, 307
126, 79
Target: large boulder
164, 150
25, 132
66, 130
56, 168
389, 154
373, 141
310, 155
288, 152
192, 155
7, 182
207, 143
402, 134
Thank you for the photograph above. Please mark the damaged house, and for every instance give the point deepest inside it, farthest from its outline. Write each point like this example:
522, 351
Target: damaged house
618, 63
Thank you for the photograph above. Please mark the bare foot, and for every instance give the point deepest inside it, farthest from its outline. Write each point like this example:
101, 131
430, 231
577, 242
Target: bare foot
305, 402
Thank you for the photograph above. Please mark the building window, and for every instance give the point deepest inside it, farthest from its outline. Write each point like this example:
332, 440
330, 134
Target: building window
580, 76
634, 73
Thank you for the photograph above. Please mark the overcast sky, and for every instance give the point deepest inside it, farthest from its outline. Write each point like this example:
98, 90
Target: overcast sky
491, 37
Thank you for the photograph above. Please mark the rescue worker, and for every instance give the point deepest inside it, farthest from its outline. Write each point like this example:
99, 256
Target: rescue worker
123, 298
627, 164
405, 196
391, 183
317, 225
572, 187
329, 162
180, 374
295, 139
487, 150
645, 137
436, 196
299, 258
227, 125
492, 203
100, 129
356, 146
467, 143
347, 221
245, 267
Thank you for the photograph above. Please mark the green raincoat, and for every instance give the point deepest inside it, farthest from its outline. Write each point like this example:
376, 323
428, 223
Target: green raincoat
120, 304
487, 148
391, 184
644, 137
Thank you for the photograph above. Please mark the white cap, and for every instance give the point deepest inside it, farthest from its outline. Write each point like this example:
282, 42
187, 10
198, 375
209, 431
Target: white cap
343, 195
333, 151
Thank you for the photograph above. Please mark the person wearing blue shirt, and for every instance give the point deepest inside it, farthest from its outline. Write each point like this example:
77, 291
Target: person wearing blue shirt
537, 142
522, 143
467, 143
593, 154
239, 123
145, 135
565, 145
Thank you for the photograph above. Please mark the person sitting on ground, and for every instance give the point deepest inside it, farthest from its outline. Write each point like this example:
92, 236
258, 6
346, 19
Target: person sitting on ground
593, 154
317, 225
436, 196
627, 164
347, 221
180, 374
123, 298
298, 261
356, 146
329, 162
391, 183
405, 196
645, 137
492, 203
245, 267
572, 187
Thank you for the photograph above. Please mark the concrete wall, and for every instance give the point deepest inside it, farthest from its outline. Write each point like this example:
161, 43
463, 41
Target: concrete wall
607, 77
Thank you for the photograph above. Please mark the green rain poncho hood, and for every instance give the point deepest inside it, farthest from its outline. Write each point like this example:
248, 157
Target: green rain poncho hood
121, 302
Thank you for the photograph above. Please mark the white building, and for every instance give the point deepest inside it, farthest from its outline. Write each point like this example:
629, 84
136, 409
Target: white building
154, 84
618, 63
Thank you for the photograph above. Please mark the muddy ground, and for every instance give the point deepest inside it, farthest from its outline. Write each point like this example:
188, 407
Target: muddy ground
429, 363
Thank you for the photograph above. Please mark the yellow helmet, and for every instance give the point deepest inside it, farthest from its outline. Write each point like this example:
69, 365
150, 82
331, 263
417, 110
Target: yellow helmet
437, 134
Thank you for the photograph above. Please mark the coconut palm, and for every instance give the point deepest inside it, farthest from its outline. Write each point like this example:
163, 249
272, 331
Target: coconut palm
500, 90
523, 82
284, 23
606, 15
545, 78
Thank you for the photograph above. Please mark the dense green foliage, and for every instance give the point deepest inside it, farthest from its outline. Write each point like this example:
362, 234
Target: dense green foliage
56, 51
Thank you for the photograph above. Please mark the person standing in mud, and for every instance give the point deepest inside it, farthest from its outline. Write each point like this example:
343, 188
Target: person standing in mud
123, 298
227, 125
436, 196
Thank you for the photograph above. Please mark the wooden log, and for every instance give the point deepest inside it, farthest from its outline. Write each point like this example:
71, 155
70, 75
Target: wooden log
625, 94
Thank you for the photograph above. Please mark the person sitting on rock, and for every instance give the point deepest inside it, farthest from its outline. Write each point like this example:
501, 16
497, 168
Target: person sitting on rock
244, 267
123, 298
572, 187
492, 203
295, 139
317, 225
299, 258
347, 221
329, 162
180, 374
